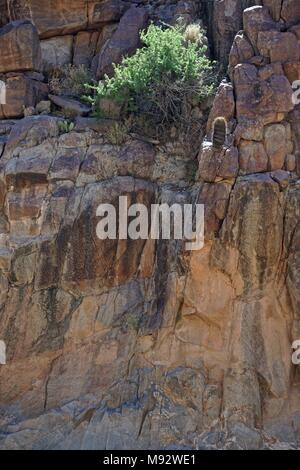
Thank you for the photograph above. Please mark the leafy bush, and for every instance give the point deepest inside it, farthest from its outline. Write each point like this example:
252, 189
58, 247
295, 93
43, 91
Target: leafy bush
69, 80
170, 70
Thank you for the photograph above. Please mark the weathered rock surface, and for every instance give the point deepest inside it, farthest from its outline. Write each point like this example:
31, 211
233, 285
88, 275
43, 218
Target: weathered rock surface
106, 11
106, 340
119, 344
70, 106
85, 47
22, 91
52, 18
20, 47
225, 19
290, 11
124, 41
57, 52
268, 98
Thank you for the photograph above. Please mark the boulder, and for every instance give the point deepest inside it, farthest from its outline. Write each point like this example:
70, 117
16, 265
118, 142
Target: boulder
266, 71
253, 157
241, 50
29, 170
208, 162
258, 19
269, 98
274, 7
20, 47
186, 11
252, 226
70, 106
290, 11
85, 46
43, 107
249, 129
30, 132
102, 162
124, 41
215, 197
101, 126
296, 30
21, 92
6, 126
105, 35
56, 52
278, 47
244, 438
52, 18
105, 11
281, 177
229, 166
292, 71
66, 163
215, 165
290, 162
275, 142
225, 21
223, 105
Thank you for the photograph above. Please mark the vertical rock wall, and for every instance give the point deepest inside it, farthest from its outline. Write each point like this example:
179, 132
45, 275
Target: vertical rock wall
121, 344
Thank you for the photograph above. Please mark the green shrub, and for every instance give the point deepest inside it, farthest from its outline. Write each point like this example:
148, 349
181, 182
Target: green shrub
65, 126
170, 70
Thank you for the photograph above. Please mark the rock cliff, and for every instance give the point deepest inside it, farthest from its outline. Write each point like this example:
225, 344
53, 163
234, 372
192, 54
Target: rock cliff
121, 344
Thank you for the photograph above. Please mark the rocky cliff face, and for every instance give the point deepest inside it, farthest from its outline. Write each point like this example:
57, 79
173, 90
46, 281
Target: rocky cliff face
141, 344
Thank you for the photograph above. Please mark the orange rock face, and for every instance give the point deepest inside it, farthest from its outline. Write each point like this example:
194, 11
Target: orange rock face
53, 17
124, 344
